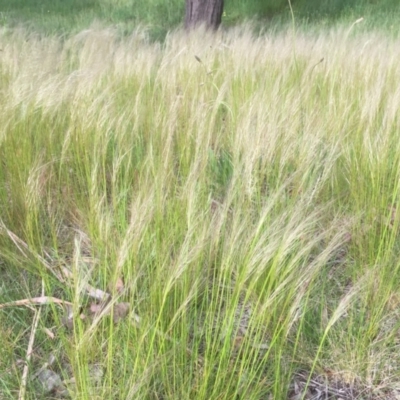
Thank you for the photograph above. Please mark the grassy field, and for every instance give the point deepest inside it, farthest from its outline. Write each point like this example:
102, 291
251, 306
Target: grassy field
158, 17
211, 217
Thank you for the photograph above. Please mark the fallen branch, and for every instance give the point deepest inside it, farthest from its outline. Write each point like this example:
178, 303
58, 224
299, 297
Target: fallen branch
36, 301
24, 379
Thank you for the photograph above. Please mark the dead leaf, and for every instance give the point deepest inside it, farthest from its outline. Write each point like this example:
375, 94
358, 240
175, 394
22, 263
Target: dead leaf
49, 333
118, 286
120, 311
96, 308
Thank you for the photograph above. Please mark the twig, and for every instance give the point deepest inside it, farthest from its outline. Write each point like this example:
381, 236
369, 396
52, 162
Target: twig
24, 379
322, 386
35, 301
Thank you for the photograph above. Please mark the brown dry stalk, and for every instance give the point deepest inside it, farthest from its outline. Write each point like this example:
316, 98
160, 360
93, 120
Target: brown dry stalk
24, 379
38, 301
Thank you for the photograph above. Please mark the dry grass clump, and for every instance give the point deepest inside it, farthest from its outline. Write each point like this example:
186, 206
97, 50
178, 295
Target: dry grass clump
239, 193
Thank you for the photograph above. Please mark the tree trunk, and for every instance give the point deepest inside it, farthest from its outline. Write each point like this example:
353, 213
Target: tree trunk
208, 12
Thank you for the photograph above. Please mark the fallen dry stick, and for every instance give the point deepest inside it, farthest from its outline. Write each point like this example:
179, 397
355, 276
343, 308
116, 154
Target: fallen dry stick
38, 301
24, 379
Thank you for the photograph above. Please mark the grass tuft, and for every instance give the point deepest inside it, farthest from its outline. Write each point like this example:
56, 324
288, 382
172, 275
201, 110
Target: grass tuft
241, 197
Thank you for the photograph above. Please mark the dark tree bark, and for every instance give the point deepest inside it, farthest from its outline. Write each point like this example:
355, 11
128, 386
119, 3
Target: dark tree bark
208, 12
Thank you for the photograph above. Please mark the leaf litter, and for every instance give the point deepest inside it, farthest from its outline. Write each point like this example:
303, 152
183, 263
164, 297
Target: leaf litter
50, 381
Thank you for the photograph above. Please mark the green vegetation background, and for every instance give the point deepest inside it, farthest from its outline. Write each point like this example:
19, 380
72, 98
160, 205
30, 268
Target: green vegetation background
61, 16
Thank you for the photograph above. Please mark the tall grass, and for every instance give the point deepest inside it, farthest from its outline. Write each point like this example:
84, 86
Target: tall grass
247, 197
